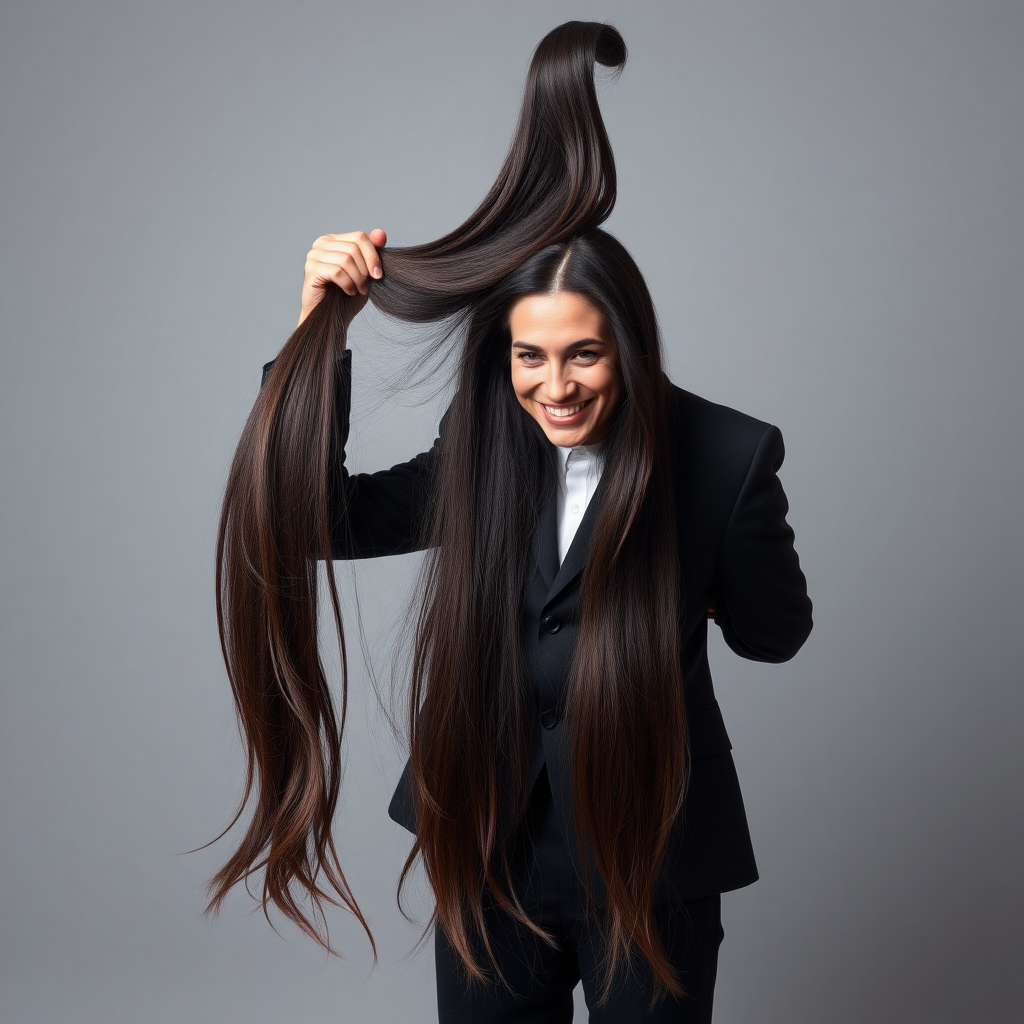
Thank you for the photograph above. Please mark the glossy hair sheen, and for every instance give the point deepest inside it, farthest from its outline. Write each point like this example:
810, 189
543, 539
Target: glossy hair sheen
471, 702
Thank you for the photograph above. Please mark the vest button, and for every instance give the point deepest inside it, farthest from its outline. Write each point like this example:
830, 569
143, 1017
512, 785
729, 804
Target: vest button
551, 624
549, 718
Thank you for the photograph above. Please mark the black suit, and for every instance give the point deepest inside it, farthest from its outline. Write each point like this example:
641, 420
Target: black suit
736, 554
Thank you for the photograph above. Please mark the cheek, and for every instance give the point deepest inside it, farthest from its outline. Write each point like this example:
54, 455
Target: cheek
606, 383
522, 387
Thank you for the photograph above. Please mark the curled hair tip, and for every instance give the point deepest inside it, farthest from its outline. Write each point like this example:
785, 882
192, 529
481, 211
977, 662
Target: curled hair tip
611, 49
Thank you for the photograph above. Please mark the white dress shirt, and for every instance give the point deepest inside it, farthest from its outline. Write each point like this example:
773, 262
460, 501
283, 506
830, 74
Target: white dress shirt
581, 469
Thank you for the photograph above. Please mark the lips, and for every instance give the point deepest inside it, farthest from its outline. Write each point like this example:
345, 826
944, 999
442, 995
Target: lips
566, 415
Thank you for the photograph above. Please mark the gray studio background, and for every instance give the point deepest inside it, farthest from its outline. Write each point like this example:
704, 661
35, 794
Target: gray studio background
826, 200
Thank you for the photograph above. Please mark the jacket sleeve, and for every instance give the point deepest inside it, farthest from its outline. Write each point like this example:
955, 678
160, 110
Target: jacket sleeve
761, 602
380, 513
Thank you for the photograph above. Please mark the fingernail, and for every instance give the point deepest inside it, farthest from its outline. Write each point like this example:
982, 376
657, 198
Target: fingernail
376, 272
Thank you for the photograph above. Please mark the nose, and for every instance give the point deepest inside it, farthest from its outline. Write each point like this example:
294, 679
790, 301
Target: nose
560, 385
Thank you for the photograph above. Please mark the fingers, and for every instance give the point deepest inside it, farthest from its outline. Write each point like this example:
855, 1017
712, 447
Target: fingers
348, 260
367, 249
346, 277
353, 254
339, 261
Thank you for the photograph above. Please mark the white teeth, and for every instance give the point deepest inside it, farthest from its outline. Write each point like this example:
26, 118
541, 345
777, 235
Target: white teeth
564, 410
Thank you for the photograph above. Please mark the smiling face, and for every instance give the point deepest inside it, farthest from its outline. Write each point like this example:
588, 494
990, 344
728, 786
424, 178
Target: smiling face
564, 366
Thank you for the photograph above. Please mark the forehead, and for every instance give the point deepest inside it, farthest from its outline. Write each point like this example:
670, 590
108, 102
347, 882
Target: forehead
557, 318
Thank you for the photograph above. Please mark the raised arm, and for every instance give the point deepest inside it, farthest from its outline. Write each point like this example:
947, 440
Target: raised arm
762, 605
371, 513
380, 513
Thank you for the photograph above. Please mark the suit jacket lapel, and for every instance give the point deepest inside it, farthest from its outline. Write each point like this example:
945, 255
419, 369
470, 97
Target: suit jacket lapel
576, 556
545, 542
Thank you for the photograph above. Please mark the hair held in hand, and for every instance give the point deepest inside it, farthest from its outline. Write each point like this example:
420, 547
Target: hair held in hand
471, 702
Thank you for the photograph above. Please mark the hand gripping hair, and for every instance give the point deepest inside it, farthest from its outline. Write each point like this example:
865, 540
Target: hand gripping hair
284, 511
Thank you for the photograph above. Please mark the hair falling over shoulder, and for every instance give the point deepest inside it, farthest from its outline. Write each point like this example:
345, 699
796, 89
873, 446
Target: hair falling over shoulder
470, 699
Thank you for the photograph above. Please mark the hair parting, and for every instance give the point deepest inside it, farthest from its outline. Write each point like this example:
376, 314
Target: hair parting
556, 282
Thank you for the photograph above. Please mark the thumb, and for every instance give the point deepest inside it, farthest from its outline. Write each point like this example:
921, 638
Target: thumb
378, 237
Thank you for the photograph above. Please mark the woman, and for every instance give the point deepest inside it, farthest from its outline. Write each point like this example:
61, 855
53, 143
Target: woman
570, 784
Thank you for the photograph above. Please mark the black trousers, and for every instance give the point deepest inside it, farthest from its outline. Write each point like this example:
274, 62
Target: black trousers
541, 979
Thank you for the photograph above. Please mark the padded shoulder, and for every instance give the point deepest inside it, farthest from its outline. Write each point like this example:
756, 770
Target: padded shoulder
733, 436
713, 448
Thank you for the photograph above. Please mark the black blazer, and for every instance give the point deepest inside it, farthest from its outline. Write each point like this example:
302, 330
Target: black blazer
736, 554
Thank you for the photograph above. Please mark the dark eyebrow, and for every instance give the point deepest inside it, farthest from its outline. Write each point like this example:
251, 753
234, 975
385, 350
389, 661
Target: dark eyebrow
584, 343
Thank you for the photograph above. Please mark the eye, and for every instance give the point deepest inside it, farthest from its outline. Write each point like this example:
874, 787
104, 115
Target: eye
529, 358
586, 355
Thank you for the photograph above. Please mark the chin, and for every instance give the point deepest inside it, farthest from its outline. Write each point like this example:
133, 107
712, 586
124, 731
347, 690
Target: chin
568, 438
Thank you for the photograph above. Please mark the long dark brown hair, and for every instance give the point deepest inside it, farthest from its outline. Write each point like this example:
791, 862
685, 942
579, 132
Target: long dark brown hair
471, 701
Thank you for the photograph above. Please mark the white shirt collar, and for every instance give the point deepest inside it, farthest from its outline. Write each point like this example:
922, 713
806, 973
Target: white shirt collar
592, 452
577, 484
